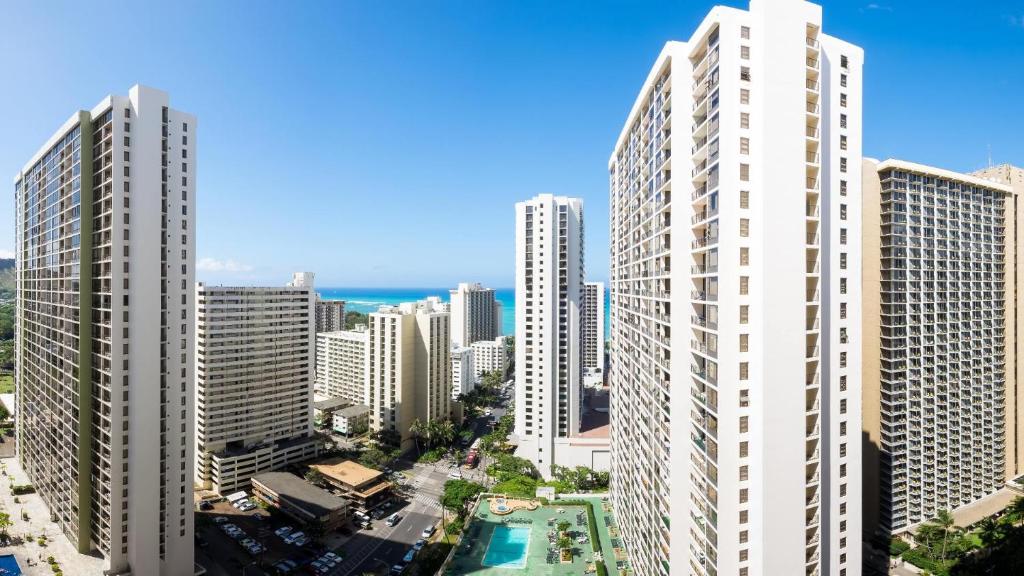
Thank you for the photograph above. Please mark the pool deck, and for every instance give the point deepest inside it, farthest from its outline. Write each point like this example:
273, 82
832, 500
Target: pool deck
468, 558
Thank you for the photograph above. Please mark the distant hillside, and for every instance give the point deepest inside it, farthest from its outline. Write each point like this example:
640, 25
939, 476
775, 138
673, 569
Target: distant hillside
7, 282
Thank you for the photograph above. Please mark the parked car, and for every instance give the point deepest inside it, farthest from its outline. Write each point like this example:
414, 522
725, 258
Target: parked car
428, 532
419, 544
290, 538
220, 520
285, 566
283, 531
397, 569
206, 505
393, 519
410, 555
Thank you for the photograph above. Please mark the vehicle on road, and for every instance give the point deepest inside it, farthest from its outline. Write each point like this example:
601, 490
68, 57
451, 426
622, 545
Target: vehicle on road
410, 555
397, 569
393, 519
284, 531
220, 519
428, 532
455, 474
285, 566
419, 544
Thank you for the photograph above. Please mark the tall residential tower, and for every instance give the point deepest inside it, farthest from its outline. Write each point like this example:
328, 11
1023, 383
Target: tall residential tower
735, 301
940, 361
475, 314
549, 288
104, 223
254, 381
593, 326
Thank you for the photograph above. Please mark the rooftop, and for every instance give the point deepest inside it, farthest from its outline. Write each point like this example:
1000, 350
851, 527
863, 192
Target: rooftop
331, 403
354, 410
300, 493
349, 473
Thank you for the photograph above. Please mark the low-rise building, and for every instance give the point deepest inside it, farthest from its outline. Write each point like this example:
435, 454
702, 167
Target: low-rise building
351, 420
323, 410
342, 366
365, 488
299, 499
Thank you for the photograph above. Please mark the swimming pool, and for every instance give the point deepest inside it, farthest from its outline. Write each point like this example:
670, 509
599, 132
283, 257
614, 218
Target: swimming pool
507, 548
9, 565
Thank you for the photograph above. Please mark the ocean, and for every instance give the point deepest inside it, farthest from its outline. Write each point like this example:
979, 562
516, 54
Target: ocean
369, 299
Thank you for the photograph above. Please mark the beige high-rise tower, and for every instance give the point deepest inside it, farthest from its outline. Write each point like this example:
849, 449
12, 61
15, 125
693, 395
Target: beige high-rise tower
939, 348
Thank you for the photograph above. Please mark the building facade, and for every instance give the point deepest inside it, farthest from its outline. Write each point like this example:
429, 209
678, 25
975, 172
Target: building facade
342, 364
463, 373
490, 356
735, 301
330, 315
593, 326
549, 290
475, 314
254, 378
104, 221
940, 342
410, 366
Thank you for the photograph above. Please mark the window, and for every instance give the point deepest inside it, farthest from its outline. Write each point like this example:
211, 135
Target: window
744, 473
842, 142
745, 73
842, 470
842, 187
744, 370
842, 80
744, 285
842, 428
842, 211
744, 424
842, 100
745, 172
744, 256
844, 62
744, 96
744, 199
744, 313
842, 260
745, 52
745, 32
744, 342
743, 516
744, 145
842, 164
842, 120
744, 227
744, 535
842, 285
743, 555
842, 447
842, 383
744, 452
842, 410
842, 235
744, 120
843, 337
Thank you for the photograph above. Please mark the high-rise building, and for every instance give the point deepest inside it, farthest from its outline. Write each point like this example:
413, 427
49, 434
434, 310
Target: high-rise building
490, 356
254, 380
940, 405
593, 326
104, 221
330, 315
410, 366
735, 301
549, 288
463, 374
475, 314
342, 364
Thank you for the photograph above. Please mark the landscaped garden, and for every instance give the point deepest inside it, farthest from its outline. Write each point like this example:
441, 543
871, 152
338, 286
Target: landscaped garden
993, 546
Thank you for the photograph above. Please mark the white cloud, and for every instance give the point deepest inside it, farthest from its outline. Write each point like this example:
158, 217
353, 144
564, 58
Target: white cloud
876, 6
4, 253
215, 265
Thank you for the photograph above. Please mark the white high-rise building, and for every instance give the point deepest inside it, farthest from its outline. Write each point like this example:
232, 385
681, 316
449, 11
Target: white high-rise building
330, 315
475, 314
490, 356
735, 301
593, 326
254, 380
104, 221
410, 366
549, 288
463, 374
342, 364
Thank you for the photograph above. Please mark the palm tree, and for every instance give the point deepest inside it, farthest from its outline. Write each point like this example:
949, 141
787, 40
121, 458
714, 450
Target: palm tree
416, 428
989, 531
1017, 509
944, 520
5, 523
432, 429
446, 430
925, 534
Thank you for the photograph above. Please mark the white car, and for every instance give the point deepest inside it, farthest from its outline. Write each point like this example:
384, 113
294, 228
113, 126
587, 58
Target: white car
455, 474
419, 544
283, 531
393, 519
428, 532
293, 537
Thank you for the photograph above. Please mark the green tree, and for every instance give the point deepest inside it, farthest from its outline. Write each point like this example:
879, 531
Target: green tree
352, 318
1017, 509
417, 429
314, 476
944, 520
989, 531
5, 523
458, 494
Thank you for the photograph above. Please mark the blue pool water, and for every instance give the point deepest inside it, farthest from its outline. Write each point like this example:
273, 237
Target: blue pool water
9, 565
508, 547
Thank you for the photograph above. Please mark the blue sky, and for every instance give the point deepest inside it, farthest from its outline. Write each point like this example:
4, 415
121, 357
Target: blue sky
385, 143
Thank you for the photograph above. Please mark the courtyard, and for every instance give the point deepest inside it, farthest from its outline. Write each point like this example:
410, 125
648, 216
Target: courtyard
525, 541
